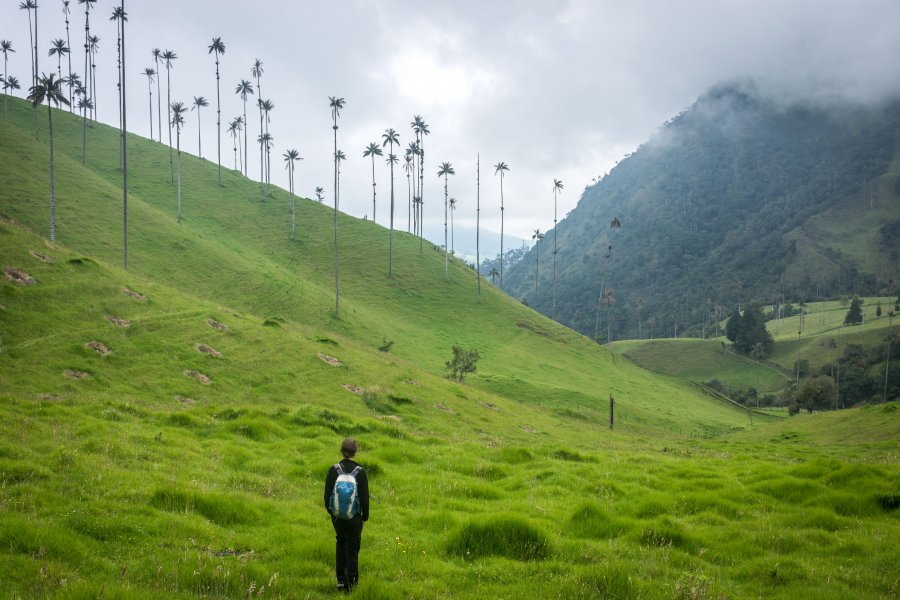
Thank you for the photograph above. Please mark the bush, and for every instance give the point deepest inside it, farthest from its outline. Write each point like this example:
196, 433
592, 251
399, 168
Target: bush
509, 536
463, 362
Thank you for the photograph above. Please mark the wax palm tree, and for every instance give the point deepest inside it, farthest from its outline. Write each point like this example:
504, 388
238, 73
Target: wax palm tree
373, 150
66, 12
29, 5
478, 222
87, 54
94, 47
124, 137
239, 127
49, 88
608, 300
85, 104
267, 106
218, 47
265, 141
493, 274
452, 237
157, 56
233, 129
320, 194
389, 138
6, 48
423, 131
199, 102
168, 56
537, 236
407, 168
257, 71
120, 17
444, 171
336, 104
557, 188
502, 168
58, 48
177, 110
290, 157
244, 89
150, 72
10, 83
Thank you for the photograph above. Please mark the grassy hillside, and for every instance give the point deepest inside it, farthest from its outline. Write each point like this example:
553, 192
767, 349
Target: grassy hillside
165, 432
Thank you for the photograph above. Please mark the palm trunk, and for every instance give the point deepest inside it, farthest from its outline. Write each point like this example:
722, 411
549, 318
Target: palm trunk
391, 230
446, 248
124, 149
199, 143
478, 223
293, 205
408, 204
150, 92
119, 86
69, 57
36, 68
554, 253
158, 100
84, 134
33, 48
87, 64
537, 268
169, 122
373, 186
501, 230
178, 141
5, 92
52, 183
262, 167
218, 121
337, 288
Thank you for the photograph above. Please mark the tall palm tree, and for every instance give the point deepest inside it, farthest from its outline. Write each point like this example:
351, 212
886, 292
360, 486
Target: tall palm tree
257, 71
478, 222
157, 56
537, 236
373, 150
557, 188
501, 168
6, 48
168, 56
218, 47
389, 138
88, 96
493, 274
423, 131
177, 111
336, 104
94, 47
265, 141
267, 106
85, 104
120, 17
199, 102
446, 170
150, 72
124, 136
10, 83
29, 5
290, 157
452, 237
58, 48
49, 88
233, 129
244, 89
608, 300
66, 13
407, 168
320, 194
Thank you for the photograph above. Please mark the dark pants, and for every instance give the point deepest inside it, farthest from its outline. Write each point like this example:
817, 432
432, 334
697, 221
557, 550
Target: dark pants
348, 534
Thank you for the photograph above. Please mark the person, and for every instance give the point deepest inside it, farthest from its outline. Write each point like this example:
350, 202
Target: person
348, 532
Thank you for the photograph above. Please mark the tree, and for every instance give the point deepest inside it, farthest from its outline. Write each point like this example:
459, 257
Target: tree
389, 138
407, 168
452, 240
157, 56
89, 94
463, 363
608, 301
257, 71
58, 48
537, 236
502, 168
233, 130
478, 222
85, 104
493, 274
93, 48
445, 171
66, 13
28, 5
854, 315
150, 72
177, 110
267, 106
265, 140
199, 102
320, 194
6, 48
168, 56
123, 133
557, 188
290, 157
336, 104
50, 89
244, 89
814, 393
119, 17
217, 47
373, 150
748, 329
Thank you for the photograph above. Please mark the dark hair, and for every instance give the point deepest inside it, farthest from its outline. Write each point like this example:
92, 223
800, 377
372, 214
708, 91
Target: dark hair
349, 447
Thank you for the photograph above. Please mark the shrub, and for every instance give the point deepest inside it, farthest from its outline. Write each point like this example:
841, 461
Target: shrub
463, 363
509, 536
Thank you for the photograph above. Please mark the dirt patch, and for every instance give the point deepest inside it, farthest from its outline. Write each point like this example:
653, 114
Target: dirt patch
76, 374
445, 408
186, 400
393, 418
240, 553
217, 325
117, 321
353, 388
19, 276
491, 406
330, 360
528, 429
198, 376
134, 295
98, 347
208, 350
40, 257
51, 397
411, 382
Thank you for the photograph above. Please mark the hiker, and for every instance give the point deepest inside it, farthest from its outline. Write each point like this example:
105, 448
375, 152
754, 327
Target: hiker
347, 501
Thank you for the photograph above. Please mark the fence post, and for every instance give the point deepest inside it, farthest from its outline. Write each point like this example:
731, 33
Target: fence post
611, 411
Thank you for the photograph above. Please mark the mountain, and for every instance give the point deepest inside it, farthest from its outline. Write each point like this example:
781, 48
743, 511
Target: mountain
737, 199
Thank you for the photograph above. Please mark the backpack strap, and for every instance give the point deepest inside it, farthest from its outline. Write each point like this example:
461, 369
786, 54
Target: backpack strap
356, 471
340, 470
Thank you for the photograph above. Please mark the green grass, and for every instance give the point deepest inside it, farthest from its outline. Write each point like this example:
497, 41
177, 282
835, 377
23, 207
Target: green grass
142, 481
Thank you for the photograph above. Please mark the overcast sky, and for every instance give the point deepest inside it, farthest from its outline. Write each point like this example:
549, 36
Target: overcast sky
556, 89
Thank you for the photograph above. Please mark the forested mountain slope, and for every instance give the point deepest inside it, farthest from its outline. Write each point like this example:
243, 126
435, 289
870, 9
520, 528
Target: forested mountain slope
736, 199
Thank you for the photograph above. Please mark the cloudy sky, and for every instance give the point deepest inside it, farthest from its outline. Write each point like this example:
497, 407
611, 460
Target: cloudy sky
556, 89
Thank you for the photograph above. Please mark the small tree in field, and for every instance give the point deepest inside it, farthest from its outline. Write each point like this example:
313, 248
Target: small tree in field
463, 362
854, 315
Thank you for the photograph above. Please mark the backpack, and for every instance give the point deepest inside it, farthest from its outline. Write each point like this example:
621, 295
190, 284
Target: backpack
344, 502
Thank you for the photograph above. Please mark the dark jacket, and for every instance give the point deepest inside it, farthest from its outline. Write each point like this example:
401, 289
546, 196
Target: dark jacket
362, 486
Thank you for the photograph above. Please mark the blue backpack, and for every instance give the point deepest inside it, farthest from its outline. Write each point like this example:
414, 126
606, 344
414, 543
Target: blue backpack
344, 501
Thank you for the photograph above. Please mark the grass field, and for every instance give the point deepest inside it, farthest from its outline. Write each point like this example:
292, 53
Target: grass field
174, 443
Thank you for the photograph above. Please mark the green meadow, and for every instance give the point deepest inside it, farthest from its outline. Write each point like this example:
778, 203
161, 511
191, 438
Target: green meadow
165, 431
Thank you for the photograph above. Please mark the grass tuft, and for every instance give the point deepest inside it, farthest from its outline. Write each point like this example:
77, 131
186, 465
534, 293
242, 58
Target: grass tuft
509, 536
